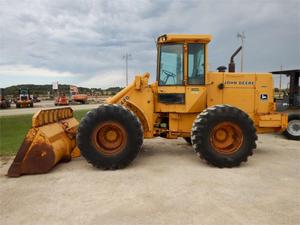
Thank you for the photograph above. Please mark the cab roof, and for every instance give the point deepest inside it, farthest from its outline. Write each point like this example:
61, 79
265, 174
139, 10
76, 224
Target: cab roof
200, 38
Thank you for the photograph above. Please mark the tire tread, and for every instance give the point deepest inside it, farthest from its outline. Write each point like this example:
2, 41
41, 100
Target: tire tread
200, 136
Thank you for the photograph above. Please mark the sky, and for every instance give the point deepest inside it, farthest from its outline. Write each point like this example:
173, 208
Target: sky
83, 42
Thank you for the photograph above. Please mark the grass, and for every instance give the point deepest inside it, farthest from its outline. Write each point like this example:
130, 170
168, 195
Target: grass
14, 128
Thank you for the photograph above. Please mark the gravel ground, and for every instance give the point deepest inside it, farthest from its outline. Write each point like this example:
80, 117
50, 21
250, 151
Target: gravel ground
166, 184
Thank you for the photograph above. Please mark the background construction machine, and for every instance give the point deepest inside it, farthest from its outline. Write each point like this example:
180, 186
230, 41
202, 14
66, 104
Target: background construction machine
4, 104
24, 99
76, 97
61, 99
219, 113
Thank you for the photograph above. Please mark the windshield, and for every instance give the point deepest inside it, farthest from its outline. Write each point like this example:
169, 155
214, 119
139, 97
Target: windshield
171, 64
23, 92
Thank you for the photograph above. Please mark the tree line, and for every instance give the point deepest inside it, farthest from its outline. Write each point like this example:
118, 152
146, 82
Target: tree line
42, 90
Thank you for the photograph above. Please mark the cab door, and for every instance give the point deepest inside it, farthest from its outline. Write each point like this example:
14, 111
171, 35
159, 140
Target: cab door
171, 95
196, 70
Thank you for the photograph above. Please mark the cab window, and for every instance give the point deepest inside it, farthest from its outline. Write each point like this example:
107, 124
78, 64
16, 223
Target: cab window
171, 64
196, 64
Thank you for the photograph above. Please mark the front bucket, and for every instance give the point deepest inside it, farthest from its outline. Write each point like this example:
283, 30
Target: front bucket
51, 139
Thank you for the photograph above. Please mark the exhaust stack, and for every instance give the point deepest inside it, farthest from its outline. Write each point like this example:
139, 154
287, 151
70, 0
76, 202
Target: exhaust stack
231, 65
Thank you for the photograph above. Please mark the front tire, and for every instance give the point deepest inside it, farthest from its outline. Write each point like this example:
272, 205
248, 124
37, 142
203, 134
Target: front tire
293, 130
224, 136
110, 137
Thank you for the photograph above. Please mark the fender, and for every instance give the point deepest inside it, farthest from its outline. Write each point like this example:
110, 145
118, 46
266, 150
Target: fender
140, 114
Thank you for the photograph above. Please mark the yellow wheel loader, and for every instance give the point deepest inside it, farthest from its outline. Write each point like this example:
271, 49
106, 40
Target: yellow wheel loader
219, 113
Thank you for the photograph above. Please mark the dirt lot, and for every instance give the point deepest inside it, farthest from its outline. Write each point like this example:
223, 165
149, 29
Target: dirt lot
166, 184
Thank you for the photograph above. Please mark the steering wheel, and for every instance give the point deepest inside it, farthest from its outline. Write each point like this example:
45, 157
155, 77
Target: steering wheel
169, 74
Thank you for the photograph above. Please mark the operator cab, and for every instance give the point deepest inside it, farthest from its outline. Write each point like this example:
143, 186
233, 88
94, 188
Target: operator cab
24, 94
181, 70
177, 51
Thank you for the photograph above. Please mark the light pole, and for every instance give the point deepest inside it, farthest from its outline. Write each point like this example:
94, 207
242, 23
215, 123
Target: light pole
280, 92
242, 37
126, 57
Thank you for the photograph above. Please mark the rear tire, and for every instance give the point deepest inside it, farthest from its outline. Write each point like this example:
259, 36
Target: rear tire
110, 137
293, 130
224, 136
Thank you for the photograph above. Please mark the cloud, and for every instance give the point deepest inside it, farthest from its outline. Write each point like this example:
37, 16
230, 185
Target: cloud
27, 70
112, 78
88, 38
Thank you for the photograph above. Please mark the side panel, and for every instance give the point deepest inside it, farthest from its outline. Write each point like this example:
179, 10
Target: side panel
252, 93
214, 94
242, 98
195, 99
239, 91
264, 96
181, 123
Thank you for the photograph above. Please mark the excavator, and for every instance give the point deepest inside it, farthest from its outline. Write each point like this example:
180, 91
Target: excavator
219, 113
76, 96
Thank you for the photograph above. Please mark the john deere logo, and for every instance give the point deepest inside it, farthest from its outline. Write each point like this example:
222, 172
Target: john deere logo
228, 82
264, 97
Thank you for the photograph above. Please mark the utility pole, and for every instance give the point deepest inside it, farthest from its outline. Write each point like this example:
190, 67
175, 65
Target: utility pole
280, 78
127, 57
280, 92
242, 36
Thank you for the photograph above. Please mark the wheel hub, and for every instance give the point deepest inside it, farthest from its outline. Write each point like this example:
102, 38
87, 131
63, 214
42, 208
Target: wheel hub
294, 127
221, 135
226, 138
109, 138
111, 135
